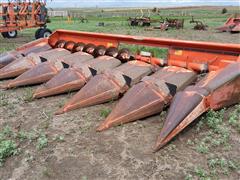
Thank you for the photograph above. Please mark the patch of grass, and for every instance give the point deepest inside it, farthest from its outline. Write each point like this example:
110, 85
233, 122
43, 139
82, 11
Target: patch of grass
61, 103
24, 135
105, 112
221, 165
42, 141
7, 131
7, 149
234, 118
216, 167
32, 135
28, 95
188, 177
202, 147
8, 146
3, 99
201, 173
59, 138
84, 178
156, 52
218, 133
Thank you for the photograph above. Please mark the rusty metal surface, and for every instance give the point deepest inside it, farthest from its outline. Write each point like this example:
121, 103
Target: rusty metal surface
225, 95
77, 57
103, 63
16, 68
21, 65
38, 74
43, 72
53, 54
149, 96
219, 89
32, 47
108, 86
76, 76
135, 70
8, 57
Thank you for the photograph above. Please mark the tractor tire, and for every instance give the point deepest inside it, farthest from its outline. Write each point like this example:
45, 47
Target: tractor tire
37, 33
4, 34
146, 24
11, 34
43, 33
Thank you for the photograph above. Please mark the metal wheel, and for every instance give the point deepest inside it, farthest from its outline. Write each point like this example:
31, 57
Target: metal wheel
43, 33
11, 34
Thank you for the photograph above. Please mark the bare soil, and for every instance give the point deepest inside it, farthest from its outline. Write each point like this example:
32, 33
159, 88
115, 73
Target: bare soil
123, 152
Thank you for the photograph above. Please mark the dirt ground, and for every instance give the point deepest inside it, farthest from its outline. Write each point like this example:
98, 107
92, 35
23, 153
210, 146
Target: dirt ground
74, 150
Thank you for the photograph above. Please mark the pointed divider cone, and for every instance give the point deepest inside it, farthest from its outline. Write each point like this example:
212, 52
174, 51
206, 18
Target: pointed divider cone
21, 65
108, 86
43, 72
76, 58
218, 89
149, 97
16, 68
38, 74
75, 77
8, 57
53, 55
37, 48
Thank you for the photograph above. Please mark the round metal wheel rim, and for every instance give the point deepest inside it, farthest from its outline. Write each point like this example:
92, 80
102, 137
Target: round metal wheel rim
12, 33
46, 34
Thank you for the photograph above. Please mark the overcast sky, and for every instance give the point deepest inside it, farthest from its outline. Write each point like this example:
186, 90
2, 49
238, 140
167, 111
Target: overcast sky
137, 3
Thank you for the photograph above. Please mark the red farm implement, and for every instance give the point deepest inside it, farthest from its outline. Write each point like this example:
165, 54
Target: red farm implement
92, 64
18, 15
231, 25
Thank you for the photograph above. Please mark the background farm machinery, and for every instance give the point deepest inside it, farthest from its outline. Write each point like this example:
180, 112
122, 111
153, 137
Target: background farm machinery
140, 21
231, 25
93, 64
199, 25
18, 15
167, 23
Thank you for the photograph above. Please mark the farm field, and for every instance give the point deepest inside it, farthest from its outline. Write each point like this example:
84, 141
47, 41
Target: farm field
36, 144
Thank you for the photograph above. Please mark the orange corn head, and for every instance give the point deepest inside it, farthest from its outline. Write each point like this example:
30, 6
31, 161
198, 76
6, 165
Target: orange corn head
108, 86
46, 70
92, 64
219, 89
21, 65
33, 47
75, 77
150, 96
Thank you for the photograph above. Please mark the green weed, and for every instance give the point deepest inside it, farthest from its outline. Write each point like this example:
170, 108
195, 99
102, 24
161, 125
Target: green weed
218, 133
3, 99
59, 138
201, 173
7, 148
42, 141
28, 95
105, 112
221, 166
234, 118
